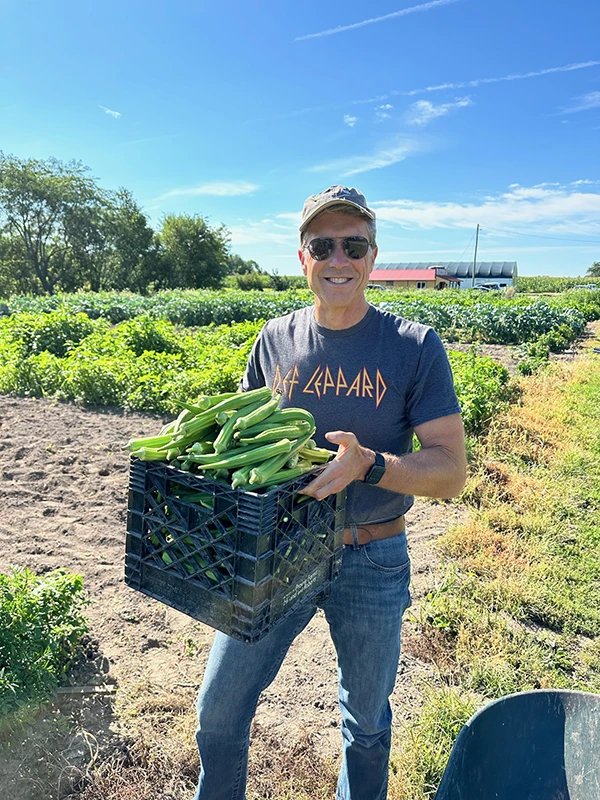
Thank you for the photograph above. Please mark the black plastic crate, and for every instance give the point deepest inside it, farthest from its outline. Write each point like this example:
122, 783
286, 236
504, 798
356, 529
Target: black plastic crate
236, 560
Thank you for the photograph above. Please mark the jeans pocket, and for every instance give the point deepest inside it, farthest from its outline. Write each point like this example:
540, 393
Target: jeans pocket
388, 555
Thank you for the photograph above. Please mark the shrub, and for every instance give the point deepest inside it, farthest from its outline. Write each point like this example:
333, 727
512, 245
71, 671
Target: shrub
41, 623
250, 280
483, 388
144, 333
55, 332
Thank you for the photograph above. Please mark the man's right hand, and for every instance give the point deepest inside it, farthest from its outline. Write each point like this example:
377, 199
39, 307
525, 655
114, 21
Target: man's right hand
351, 463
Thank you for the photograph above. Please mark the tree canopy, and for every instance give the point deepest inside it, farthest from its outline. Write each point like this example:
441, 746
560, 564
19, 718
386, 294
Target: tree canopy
193, 253
60, 231
594, 270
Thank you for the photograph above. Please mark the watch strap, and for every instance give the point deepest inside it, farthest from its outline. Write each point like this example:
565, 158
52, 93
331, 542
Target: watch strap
376, 471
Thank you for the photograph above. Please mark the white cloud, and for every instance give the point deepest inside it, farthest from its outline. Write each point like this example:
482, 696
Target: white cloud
386, 155
115, 114
512, 77
555, 211
584, 103
402, 13
581, 182
350, 120
439, 87
423, 112
218, 188
267, 231
293, 217
382, 112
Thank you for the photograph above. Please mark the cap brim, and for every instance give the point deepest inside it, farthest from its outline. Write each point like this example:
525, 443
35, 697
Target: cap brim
336, 202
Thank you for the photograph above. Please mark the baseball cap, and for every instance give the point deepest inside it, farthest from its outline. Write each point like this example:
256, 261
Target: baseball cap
334, 195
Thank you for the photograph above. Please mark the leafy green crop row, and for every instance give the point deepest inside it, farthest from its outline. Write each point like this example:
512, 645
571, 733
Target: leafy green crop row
148, 364
181, 307
456, 315
141, 363
498, 324
41, 623
483, 388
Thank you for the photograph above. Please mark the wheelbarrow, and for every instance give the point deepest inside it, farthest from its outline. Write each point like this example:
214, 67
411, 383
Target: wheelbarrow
538, 745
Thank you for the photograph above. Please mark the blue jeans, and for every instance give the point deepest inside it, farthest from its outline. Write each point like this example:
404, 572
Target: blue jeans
364, 612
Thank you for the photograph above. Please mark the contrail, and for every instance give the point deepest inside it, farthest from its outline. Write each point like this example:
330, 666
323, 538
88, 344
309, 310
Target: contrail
513, 77
403, 12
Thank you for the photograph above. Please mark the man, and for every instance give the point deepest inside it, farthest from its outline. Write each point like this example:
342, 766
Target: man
370, 379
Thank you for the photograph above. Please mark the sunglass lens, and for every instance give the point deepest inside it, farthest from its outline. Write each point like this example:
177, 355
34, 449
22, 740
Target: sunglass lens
321, 249
356, 247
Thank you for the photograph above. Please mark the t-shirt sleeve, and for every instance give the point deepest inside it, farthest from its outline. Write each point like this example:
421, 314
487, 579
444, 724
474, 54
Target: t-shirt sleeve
254, 377
432, 394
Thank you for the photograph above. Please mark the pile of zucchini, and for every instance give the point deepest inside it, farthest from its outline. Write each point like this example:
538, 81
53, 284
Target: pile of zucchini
243, 438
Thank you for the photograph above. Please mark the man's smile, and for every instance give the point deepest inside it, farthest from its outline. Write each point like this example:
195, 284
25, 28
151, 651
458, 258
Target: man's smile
337, 279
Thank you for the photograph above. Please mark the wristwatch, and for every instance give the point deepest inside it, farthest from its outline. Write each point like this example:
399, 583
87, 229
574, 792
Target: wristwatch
376, 471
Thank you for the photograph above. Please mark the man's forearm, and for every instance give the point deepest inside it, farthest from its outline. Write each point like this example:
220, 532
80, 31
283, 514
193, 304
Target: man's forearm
438, 469
432, 472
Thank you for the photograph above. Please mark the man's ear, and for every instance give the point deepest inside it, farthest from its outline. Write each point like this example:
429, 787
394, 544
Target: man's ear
302, 260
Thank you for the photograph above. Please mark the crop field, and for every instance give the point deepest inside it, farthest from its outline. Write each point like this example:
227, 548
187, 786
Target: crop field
145, 353
505, 577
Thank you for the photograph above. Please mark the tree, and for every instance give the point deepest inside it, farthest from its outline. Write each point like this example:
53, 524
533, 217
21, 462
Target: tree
594, 270
194, 255
53, 210
134, 261
280, 282
237, 266
13, 268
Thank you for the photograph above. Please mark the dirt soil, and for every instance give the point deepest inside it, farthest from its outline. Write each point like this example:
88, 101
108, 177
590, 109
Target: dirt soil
64, 484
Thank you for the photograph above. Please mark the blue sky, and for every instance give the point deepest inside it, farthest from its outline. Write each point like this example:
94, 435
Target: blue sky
445, 114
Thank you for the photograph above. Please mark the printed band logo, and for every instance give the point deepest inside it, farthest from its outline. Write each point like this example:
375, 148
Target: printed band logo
323, 381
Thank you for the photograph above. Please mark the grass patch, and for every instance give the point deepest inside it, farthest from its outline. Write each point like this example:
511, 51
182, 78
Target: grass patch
421, 754
159, 759
282, 771
515, 607
532, 546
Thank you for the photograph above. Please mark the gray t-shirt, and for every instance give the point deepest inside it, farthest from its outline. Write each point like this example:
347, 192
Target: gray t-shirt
378, 379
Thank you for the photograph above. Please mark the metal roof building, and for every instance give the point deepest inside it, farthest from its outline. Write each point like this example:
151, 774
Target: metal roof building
432, 278
504, 272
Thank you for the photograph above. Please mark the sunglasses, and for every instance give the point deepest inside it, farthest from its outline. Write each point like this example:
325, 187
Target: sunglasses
354, 247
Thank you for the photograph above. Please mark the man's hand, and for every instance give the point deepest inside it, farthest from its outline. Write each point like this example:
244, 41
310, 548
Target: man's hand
438, 469
350, 464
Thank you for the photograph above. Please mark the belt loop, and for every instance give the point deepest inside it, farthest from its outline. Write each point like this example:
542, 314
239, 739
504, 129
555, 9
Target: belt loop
354, 530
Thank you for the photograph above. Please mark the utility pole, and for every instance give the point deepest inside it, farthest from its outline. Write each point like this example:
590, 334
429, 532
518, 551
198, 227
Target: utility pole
475, 258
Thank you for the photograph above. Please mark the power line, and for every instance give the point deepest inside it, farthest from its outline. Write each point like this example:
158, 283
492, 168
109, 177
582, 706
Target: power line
540, 236
467, 247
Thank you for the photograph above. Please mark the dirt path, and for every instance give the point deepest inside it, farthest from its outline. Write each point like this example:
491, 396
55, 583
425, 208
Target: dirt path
64, 484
